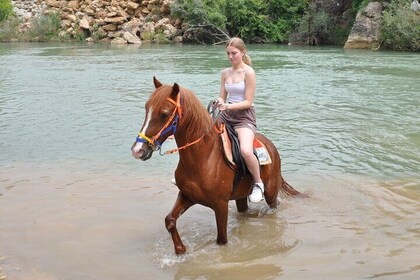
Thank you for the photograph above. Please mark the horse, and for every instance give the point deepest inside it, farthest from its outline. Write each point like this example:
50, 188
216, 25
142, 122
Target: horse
202, 176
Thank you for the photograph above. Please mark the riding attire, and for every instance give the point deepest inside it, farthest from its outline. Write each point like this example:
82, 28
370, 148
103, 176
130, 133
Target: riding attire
239, 119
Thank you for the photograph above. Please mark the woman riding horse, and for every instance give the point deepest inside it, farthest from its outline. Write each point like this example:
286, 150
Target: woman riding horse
203, 176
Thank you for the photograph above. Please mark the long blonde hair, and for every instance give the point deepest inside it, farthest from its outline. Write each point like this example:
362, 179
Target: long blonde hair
240, 45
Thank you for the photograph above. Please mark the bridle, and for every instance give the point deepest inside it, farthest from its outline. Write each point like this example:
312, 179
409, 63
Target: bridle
170, 126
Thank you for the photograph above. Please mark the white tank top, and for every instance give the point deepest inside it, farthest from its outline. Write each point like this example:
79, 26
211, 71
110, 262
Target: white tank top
236, 91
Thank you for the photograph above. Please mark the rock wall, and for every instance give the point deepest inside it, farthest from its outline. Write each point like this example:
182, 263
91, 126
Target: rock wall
116, 21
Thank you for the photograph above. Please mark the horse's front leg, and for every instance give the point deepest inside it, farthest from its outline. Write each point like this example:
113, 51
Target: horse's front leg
182, 203
221, 212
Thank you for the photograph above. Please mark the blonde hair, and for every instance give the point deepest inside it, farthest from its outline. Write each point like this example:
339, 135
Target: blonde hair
240, 45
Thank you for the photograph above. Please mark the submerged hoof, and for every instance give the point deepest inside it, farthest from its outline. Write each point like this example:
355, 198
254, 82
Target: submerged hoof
180, 249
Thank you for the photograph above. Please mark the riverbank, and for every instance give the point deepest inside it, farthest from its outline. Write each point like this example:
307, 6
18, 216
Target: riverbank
118, 22
370, 25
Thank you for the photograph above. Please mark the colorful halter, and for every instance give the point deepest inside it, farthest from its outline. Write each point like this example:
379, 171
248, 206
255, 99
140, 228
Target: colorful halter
170, 126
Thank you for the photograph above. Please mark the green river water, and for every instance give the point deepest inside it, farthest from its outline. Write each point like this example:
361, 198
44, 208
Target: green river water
74, 204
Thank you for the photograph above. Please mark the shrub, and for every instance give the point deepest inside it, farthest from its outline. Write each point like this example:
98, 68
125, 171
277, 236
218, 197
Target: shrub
195, 12
9, 29
44, 27
401, 27
253, 20
6, 9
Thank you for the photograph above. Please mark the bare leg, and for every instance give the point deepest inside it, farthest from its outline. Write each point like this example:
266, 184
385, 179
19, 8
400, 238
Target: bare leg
246, 140
181, 205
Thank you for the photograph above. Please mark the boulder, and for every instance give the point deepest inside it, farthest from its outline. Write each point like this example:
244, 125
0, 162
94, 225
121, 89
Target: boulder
72, 18
55, 3
133, 26
132, 5
118, 40
115, 20
365, 33
130, 38
84, 24
73, 5
110, 27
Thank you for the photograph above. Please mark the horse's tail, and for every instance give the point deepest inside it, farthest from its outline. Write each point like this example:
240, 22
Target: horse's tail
288, 190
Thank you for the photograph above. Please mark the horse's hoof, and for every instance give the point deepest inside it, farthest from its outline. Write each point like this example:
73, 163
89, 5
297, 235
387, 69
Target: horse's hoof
221, 241
180, 249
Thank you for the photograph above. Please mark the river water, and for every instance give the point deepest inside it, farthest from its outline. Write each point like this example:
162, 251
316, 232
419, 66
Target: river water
74, 204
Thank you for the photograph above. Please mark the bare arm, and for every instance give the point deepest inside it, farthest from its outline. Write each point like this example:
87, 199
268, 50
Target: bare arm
223, 93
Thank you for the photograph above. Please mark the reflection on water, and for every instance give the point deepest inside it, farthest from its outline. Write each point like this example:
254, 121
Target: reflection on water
75, 205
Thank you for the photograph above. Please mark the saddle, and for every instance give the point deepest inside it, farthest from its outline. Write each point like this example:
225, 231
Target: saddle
232, 153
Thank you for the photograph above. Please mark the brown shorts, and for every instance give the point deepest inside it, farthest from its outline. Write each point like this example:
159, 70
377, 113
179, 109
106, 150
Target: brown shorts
240, 118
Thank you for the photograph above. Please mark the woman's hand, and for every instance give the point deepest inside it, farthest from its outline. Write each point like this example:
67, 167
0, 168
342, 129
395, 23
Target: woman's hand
223, 106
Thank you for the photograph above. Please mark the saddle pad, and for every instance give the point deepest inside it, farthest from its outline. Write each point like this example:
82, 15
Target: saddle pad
259, 149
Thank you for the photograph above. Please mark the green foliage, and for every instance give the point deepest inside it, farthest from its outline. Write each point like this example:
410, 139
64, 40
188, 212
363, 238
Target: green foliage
401, 27
9, 29
161, 39
195, 12
321, 24
316, 23
147, 35
246, 19
264, 20
97, 33
253, 20
356, 5
6, 9
44, 27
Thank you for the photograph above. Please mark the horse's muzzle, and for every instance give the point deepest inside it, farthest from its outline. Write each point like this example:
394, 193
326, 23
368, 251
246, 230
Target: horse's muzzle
141, 151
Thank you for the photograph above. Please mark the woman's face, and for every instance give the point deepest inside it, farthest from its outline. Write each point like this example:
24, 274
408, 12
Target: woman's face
234, 55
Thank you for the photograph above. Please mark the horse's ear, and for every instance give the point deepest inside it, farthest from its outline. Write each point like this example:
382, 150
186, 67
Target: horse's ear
156, 82
175, 90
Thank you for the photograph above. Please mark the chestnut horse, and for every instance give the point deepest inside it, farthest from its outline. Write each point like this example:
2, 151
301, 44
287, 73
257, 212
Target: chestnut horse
202, 175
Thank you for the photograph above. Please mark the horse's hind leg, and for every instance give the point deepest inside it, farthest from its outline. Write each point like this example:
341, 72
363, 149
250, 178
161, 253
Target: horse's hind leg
271, 192
181, 205
242, 204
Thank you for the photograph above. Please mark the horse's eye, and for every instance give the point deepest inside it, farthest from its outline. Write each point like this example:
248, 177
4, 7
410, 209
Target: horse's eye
163, 115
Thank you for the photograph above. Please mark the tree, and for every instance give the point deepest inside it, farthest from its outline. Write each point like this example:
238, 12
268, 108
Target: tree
6, 9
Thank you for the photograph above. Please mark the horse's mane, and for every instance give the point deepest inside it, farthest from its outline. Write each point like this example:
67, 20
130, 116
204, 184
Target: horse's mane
195, 120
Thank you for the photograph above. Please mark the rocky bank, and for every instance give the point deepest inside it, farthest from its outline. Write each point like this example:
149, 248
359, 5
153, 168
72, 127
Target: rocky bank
134, 21
115, 21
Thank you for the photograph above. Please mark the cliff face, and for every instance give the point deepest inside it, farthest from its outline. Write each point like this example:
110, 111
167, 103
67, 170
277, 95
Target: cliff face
117, 21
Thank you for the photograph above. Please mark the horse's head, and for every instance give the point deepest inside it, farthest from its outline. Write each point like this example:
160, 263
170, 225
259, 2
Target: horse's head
163, 111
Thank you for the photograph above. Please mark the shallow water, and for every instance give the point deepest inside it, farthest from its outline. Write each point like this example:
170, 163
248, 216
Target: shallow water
74, 204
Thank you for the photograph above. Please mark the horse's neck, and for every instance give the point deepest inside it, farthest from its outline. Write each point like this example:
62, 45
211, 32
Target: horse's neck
199, 151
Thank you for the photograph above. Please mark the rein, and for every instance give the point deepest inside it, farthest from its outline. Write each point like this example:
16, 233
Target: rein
168, 127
